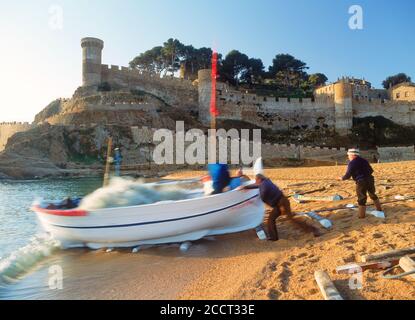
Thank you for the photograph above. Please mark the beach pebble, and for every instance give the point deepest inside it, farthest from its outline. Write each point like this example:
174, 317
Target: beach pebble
185, 246
261, 233
378, 214
135, 250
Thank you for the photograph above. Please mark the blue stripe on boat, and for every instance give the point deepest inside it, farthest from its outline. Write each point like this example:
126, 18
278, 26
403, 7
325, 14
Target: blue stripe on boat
154, 222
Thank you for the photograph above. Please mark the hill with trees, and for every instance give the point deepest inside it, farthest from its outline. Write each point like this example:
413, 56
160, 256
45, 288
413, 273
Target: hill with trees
286, 77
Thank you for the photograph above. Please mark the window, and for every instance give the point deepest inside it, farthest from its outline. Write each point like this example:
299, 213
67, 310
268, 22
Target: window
398, 95
406, 94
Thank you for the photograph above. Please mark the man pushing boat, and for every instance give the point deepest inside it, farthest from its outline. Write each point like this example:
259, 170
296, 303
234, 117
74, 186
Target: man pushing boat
275, 198
362, 172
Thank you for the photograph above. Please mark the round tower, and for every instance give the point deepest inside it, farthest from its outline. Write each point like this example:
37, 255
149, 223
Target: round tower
205, 92
91, 61
343, 103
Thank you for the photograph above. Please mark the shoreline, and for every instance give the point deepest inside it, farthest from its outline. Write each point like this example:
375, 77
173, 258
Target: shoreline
22, 173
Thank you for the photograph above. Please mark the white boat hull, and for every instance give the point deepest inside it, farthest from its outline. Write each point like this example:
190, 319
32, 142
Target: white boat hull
163, 222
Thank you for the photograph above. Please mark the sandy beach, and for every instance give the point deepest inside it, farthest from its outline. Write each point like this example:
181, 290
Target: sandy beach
285, 269
240, 266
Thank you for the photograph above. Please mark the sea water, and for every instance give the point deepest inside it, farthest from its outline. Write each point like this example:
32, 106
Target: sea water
29, 255
22, 241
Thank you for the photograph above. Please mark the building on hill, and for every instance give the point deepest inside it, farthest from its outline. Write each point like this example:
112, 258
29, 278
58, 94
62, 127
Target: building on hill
403, 92
361, 90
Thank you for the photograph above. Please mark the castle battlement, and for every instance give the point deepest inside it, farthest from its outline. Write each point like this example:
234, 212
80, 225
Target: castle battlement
264, 101
115, 68
114, 73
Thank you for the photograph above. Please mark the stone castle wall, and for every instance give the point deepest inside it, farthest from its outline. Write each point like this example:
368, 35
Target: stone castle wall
392, 154
279, 114
173, 91
7, 129
269, 151
283, 114
402, 113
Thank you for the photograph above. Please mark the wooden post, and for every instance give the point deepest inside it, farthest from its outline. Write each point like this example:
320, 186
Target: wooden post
387, 254
213, 122
108, 163
327, 287
361, 267
212, 140
408, 265
300, 198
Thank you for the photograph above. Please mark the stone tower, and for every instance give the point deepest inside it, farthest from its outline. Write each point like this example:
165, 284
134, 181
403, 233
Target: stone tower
343, 103
205, 92
91, 61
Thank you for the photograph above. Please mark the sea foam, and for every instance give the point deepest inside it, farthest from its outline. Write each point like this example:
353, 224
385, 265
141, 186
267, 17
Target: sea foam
22, 260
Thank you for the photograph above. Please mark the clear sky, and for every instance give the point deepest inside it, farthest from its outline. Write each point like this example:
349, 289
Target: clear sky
41, 61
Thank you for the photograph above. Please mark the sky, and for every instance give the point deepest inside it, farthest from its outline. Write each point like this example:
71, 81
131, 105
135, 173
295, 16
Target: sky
40, 53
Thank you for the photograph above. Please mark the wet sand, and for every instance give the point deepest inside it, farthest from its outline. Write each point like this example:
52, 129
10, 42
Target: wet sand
159, 272
240, 266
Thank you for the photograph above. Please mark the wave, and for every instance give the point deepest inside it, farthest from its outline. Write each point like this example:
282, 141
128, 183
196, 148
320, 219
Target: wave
22, 260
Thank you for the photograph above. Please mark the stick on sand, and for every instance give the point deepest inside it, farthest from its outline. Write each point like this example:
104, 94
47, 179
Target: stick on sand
327, 287
387, 254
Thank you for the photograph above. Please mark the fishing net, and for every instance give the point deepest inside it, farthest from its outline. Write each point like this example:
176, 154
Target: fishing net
122, 192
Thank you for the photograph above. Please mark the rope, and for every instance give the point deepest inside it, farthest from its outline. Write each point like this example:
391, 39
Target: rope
396, 276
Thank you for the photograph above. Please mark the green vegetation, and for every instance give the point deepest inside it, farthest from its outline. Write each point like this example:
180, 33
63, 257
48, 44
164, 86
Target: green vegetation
396, 79
82, 159
169, 57
286, 77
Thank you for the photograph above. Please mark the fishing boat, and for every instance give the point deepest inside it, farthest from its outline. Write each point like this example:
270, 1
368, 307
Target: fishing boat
162, 222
